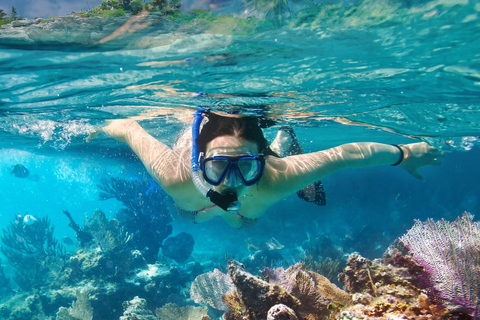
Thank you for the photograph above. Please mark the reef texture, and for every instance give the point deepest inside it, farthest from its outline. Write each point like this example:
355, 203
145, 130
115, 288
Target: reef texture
432, 273
136, 309
450, 254
145, 216
382, 291
108, 267
171, 311
295, 293
392, 288
209, 288
33, 251
80, 310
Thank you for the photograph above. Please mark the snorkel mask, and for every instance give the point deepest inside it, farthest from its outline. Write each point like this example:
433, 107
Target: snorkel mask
232, 170
227, 201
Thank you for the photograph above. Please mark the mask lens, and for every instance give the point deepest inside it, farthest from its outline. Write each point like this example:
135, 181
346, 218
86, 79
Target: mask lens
249, 169
215, 169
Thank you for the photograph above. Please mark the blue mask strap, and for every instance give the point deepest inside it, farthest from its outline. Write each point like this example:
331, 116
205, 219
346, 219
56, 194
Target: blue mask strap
229, 201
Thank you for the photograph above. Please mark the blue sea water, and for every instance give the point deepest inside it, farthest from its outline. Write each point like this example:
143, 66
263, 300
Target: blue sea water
390, 72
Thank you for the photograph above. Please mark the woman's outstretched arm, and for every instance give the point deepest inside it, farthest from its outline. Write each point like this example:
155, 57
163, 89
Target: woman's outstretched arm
161, 161
292, 173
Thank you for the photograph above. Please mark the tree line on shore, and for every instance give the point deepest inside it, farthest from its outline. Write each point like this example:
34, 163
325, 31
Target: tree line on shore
7, 18
274, 10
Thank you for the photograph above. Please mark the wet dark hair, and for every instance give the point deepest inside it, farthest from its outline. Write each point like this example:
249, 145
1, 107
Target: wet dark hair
247, 128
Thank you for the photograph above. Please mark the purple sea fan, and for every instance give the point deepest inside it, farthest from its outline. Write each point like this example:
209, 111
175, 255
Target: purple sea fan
450, 254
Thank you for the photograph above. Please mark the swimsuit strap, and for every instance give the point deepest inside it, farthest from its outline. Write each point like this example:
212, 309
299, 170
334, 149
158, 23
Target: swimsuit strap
207, 208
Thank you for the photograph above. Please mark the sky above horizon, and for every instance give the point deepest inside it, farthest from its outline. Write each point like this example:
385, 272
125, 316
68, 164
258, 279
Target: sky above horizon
47, 8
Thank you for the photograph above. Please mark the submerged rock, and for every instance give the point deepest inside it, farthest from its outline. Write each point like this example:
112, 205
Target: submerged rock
256, 295
179, 247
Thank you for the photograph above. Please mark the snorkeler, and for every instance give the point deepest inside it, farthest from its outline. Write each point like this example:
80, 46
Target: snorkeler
228, 169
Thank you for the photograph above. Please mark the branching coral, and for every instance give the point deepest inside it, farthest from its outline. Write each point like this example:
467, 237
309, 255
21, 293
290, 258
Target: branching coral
32, 250
83, 236
145, 215
36, 238
80, 309
107, 234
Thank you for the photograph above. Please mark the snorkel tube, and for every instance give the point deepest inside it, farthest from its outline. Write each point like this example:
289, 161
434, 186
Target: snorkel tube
228, 201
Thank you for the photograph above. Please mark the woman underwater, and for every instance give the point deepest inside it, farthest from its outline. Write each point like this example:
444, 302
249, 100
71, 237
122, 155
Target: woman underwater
229, 170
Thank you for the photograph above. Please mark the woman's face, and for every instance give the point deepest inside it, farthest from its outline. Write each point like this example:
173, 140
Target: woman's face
231, 146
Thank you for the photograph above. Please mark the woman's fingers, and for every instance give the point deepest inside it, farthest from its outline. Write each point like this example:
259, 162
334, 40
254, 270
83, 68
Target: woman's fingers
93, 135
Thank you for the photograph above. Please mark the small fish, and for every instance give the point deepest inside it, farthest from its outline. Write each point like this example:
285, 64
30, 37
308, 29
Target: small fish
20, 171
68, 241
29, 220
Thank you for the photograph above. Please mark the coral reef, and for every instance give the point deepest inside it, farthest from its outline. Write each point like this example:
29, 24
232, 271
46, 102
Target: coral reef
256, 296
383, 291
362, 275
82, 236
145, 216
112, 268
281, 312
450, 254
108, 235
32, 250
210, 287
388, 289
315, 292
80, 309
116, 260
171, 311
34, 238
108, 266
295, 293
136, 309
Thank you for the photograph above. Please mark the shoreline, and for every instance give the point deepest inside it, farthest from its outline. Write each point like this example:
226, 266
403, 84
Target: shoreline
71, 29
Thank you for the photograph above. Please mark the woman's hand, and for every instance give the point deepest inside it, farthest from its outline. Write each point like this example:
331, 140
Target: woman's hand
417, 155
116, 129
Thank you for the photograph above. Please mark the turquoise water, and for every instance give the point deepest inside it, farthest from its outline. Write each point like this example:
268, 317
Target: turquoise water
386, 72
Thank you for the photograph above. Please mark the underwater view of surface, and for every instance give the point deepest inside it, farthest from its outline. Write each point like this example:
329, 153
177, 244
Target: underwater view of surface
87, 233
